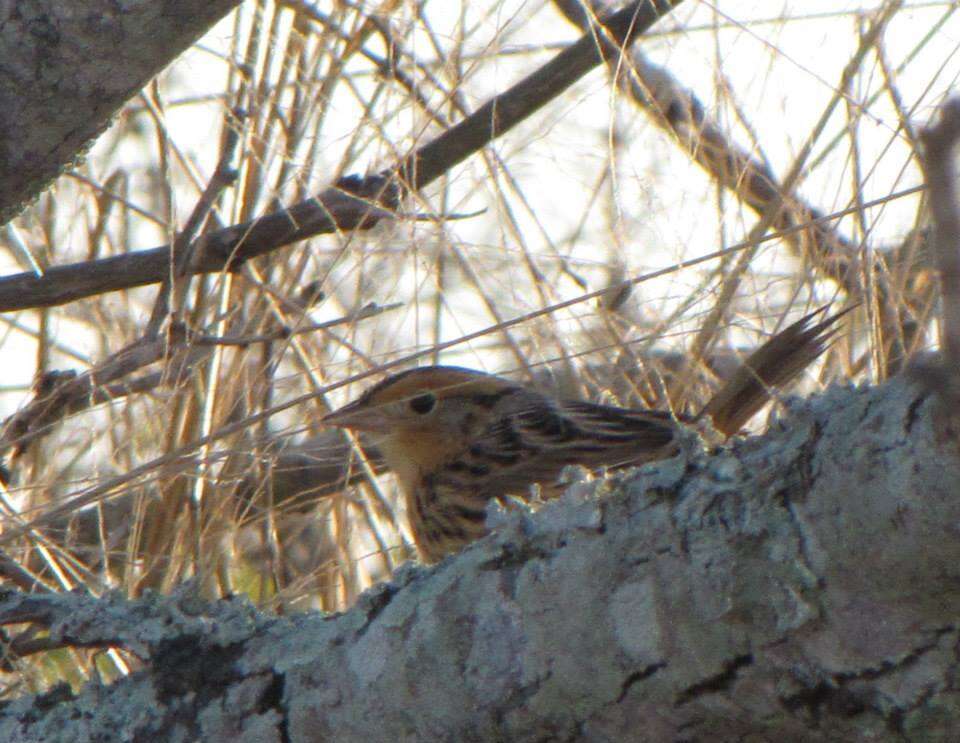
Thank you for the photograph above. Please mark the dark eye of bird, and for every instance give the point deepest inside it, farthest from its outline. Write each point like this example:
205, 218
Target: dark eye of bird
423, 404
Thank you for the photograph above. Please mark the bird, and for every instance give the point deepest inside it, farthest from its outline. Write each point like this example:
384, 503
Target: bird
458, 438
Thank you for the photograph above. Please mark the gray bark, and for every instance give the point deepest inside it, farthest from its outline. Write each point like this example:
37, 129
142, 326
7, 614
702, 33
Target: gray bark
802, 584
67, 69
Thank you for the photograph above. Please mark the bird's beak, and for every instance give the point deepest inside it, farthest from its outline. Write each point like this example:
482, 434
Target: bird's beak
358, 417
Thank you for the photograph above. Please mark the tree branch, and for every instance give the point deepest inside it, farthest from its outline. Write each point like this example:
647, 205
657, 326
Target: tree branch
803, 582
940, 143
679, 111
354, 203
67, 71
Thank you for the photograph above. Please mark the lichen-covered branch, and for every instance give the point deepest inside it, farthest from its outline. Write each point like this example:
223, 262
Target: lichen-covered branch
802, 583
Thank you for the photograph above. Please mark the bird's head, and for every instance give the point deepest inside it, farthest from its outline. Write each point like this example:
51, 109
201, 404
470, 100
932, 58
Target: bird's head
423, 417
433, 398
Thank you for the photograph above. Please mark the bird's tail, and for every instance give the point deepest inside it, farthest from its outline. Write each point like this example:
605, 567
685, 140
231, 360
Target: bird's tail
772, 366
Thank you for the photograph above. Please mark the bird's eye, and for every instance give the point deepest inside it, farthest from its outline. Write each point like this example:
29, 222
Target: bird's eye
423, 404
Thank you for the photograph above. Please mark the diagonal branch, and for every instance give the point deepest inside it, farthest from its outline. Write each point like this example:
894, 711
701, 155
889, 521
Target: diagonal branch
679, 111
353, 203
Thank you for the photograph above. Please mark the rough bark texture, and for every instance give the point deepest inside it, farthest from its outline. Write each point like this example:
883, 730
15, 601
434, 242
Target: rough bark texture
802, 585
69, 66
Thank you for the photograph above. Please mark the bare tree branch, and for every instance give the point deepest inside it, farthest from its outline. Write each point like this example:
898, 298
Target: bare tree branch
354, 203
802, 582
678, 110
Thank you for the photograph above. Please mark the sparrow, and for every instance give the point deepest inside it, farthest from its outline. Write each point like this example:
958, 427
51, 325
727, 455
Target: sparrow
457, 438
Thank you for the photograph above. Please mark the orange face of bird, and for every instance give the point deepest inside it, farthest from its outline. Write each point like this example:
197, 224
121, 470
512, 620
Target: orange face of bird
425, 418
427, 397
